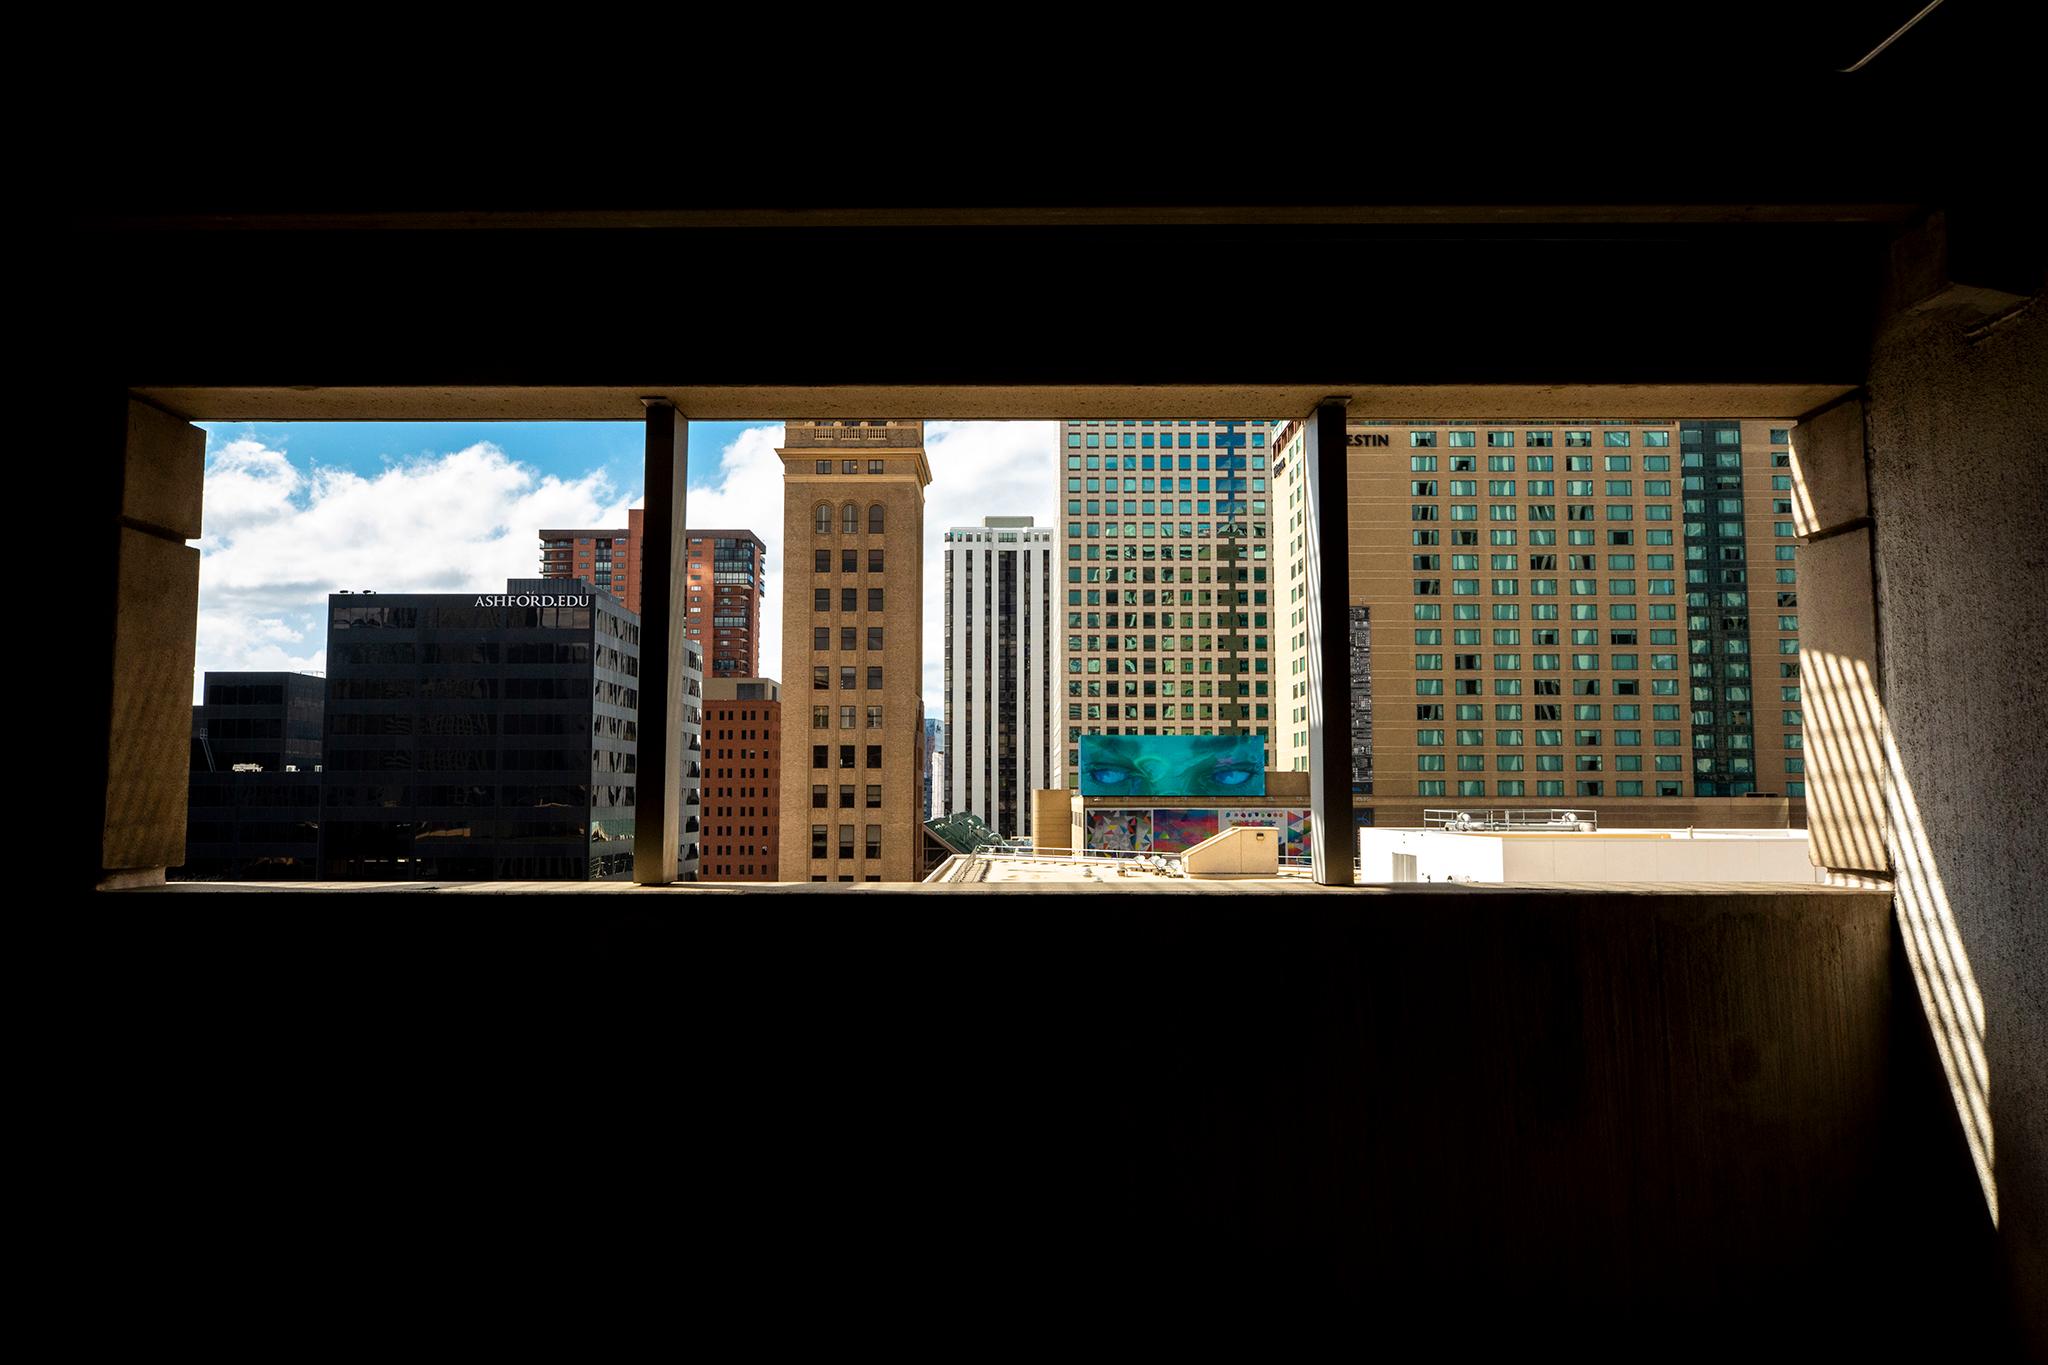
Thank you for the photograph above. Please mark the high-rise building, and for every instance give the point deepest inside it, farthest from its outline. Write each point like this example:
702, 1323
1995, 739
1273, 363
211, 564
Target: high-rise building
723, 582
852, 650
722, 591
1001, 720
934, 756
1565, 612
480, 736
742, 779
606, 558
253, 803
1168, 610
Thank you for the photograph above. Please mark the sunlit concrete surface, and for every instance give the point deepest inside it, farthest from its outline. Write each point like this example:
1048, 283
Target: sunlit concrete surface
1605, 857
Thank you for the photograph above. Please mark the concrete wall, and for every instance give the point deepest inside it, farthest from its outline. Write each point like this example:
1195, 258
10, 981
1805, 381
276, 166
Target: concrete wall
1613, 857
1440, 857
1240, 851
1052, 820
1706, 812
1478, 1100
1957, 430
154, 634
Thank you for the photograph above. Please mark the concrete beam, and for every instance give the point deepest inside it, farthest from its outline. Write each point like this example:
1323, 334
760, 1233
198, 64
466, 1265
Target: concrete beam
1328, 553
1021, 215
657, 827
1972, 261
981, 402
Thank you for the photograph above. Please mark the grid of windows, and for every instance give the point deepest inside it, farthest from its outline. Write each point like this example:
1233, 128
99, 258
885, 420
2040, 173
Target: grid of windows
1580, 632
1170, 601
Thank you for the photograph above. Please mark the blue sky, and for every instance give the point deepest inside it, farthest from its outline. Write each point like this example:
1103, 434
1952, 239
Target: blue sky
296, 511
567, 449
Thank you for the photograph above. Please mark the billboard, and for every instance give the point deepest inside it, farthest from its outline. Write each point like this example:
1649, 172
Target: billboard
1173, 765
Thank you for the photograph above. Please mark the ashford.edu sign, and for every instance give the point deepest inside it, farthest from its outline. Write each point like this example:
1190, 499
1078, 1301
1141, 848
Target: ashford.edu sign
527, 599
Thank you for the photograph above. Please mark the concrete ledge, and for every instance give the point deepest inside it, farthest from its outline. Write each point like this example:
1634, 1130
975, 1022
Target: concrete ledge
1830, 487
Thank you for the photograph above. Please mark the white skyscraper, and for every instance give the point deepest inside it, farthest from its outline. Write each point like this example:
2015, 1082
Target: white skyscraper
1002, 740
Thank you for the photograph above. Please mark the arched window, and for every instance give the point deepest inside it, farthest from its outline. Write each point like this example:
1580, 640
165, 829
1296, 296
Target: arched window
849, 520
821, 520
874, 519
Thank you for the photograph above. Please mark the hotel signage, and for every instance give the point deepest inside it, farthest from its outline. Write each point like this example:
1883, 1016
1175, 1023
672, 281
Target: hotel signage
1365, 438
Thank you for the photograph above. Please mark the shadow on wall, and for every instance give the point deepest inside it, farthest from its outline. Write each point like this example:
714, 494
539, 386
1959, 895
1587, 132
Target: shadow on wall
1855, 743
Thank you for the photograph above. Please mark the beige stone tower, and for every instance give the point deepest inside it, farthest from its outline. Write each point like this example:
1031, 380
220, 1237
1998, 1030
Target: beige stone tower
852, 794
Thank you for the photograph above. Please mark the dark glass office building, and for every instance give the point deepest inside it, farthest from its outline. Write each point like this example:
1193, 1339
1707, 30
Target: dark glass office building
253, 808
480, 736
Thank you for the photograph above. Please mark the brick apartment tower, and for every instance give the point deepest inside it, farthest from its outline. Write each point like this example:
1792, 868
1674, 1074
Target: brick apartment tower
722, 599
852, 650
742, 777
607, 558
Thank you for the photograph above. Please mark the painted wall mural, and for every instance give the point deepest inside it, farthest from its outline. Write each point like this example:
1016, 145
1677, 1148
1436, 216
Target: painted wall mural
1158, 830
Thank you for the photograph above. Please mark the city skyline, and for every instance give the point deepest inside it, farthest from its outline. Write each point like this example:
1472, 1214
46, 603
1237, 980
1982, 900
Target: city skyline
295, 511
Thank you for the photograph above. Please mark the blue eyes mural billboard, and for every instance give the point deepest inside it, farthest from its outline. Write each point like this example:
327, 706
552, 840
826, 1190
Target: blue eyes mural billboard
1173, 765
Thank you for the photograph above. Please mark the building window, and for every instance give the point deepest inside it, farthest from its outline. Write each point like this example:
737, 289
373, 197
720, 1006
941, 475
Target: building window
849, 520
874, 519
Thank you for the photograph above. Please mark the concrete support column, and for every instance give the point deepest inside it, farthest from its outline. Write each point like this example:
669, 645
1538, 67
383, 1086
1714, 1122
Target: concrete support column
1921, 571
161, 476
657, 833
1328, 553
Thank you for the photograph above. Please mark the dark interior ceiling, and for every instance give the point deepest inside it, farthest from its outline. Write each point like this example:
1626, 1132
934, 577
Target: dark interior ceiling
1472, 196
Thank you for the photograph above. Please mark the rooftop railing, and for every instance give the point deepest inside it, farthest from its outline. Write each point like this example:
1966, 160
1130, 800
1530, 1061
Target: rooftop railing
1556, 818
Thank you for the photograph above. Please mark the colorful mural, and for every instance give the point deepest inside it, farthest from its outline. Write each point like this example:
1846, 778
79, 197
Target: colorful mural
1155, 830
1177, 831
1293, 824
1120, 831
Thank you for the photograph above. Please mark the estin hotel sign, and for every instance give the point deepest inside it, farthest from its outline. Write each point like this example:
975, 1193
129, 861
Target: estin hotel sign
1365, 438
